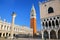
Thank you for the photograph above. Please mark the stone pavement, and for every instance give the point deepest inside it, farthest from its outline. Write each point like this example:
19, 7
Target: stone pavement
26, 39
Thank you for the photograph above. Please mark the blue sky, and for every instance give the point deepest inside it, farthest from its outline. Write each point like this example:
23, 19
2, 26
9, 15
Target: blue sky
22, 9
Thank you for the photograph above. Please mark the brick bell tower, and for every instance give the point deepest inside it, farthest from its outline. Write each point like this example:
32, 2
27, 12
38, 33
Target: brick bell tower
33, 20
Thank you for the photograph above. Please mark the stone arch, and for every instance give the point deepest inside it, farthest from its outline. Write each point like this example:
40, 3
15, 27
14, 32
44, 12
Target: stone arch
6, 34
43, 23
52, 34
9, 34
53, 24
14, 35
0, 34
3, 34
50, 10
57, 23
46, 35
40, 35
46, 24
59, 34
49, 24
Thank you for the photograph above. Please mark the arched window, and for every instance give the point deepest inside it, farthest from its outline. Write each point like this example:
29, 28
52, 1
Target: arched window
57, 24
46, 34
46, 24
49, 24
50, 10
43, 24
53, 24
52, 34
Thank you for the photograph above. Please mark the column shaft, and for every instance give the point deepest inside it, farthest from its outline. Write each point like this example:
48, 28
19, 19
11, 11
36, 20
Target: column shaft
49, 35
42, 35
5, 34
57, 35
2, 35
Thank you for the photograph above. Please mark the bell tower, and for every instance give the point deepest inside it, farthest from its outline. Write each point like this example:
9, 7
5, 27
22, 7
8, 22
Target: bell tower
33, 20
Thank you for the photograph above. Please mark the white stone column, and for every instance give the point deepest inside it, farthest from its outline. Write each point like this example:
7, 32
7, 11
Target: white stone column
12, 24
55, 23
42, 35
5, 34
8, 34
2, 35
57, 34
48, 24
49, 34
51, 23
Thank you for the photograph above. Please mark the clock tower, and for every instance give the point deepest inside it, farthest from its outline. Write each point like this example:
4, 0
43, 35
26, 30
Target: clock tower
33, 20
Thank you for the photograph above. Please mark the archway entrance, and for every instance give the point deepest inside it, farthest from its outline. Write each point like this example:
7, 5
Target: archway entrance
58, 34
53, 34
46, 34
9, 34
0, 34
6, 34
14, 35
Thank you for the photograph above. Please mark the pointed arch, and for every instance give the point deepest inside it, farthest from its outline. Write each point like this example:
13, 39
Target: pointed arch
59, 34
57, 23
52, 34
46, 34
53, 24
49, 24
46, 24
0, 34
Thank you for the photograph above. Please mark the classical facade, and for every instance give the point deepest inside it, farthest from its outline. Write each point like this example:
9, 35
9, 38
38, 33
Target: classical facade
50, 19
10, 29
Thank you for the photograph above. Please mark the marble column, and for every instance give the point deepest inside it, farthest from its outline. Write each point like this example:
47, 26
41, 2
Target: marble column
49, 34
5, 34
2, 35
48, 24
42, 35
57, 34
55, 23
8, 35
12, 24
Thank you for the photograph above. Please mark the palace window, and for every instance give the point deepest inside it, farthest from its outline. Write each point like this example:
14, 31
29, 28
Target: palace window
50, 10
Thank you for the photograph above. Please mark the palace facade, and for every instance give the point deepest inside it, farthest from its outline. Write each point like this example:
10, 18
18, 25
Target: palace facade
50, 19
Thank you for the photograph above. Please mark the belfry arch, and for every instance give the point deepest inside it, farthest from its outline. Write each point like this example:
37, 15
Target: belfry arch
52, 34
